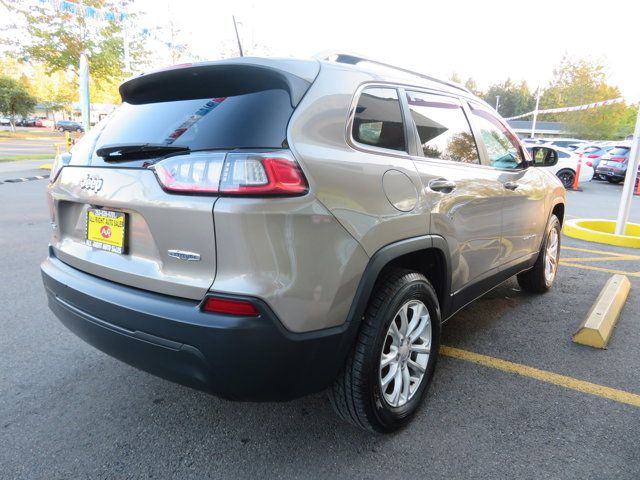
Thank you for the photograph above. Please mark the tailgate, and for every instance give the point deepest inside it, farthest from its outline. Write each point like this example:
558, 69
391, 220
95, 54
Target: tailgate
156, 223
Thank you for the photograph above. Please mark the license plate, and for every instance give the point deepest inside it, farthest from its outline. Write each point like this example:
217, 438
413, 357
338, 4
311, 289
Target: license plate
106, 230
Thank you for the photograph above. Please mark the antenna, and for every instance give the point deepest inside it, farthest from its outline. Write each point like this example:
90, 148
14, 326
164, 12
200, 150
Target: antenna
235, 26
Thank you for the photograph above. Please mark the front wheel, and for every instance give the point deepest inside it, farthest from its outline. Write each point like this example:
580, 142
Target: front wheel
613, 180
567, 177
387, 374
541, 276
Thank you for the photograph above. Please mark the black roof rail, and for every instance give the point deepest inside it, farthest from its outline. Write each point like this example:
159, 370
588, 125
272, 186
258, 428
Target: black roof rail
352, 59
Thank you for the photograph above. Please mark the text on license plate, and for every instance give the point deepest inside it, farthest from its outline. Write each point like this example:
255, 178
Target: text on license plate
106, 230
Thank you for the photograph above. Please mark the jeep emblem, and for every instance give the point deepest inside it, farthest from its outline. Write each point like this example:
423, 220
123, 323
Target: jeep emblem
91, 183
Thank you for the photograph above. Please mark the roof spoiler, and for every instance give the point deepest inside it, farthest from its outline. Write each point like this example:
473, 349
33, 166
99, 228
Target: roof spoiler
219, 79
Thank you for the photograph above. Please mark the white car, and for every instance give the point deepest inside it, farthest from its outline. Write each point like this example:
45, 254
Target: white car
564, 164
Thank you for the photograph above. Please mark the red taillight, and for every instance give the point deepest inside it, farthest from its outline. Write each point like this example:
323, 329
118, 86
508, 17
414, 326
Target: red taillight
230, 307
270, 176
232, 174
589, 164
617, 159
592, 156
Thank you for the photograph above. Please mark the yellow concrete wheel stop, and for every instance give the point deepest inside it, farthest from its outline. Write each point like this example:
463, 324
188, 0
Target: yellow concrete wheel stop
602, 231
596, 329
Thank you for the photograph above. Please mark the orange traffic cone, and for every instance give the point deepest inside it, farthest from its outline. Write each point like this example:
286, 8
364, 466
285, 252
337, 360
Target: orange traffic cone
576, 180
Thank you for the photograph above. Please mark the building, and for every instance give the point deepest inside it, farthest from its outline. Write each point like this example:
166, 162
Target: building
543, 129
98, 112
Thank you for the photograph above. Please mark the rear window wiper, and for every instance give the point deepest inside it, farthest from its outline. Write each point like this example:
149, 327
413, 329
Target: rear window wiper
128, 151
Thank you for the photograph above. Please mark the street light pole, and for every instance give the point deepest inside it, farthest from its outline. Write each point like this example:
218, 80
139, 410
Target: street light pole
497, 102
629, 180
83, 74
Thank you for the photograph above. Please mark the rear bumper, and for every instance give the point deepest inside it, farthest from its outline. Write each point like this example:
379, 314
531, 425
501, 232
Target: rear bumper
611, 172
252, 358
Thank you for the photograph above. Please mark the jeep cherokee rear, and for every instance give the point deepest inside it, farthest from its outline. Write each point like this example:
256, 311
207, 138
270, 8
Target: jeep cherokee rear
265, 229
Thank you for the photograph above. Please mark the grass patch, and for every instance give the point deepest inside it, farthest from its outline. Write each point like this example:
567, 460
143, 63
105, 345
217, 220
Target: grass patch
17, 158
27, 134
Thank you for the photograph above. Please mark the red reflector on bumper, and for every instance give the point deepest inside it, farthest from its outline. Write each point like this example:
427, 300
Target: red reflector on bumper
230, 307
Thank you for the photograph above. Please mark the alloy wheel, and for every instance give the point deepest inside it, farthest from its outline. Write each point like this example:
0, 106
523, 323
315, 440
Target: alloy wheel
405, 353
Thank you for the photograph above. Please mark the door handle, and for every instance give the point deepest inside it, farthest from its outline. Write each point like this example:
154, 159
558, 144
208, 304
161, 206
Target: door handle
510, 185
442, 185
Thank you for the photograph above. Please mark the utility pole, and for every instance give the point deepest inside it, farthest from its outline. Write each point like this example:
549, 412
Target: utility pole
83, 74
629, 181
535, 115
497, 102
235, 26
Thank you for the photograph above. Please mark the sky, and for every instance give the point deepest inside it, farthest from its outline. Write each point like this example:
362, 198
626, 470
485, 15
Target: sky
488, 40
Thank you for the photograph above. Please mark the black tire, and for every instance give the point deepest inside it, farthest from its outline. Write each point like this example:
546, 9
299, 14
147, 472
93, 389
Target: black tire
357, 394
534, 280
567, 177
61, 129
78, 129
613, 180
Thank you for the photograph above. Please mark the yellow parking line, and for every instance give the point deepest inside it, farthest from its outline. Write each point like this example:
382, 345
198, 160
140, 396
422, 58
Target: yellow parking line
598, 259
600, 252
598, 269
544, 376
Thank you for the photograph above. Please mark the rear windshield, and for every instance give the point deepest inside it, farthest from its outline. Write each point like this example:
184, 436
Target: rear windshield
619, 151
591, 149
252, 120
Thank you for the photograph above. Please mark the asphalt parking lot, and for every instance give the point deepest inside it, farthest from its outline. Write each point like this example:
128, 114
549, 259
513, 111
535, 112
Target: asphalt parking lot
69, 411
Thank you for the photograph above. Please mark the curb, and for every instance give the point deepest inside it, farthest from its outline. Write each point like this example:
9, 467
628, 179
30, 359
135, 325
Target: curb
601, 231
596, 329
45, 166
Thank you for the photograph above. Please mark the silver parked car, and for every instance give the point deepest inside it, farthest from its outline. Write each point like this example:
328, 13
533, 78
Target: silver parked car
262, 229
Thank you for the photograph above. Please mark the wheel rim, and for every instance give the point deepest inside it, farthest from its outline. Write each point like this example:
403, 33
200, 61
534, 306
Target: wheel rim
566, 178
551, 256
405, 353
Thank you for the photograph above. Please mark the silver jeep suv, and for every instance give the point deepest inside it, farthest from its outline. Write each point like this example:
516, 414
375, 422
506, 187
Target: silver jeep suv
263, 229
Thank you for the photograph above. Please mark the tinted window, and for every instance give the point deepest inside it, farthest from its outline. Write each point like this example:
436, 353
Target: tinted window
563, 154
591, 149
502, 147
378, 119
619, 151
442, 128
256, 119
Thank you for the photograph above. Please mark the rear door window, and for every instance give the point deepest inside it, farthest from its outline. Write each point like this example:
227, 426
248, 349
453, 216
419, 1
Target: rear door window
503, 149
442, 128
378, 119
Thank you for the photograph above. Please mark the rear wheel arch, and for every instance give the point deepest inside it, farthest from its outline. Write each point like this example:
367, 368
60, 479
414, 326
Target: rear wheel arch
426, 254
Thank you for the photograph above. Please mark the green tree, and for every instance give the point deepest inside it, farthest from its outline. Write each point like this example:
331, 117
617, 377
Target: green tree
15, 100
578, 82
515, 99
472, 86
57, 38
454, 77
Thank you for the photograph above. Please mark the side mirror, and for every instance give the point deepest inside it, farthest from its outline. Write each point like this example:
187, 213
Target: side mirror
544, 156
